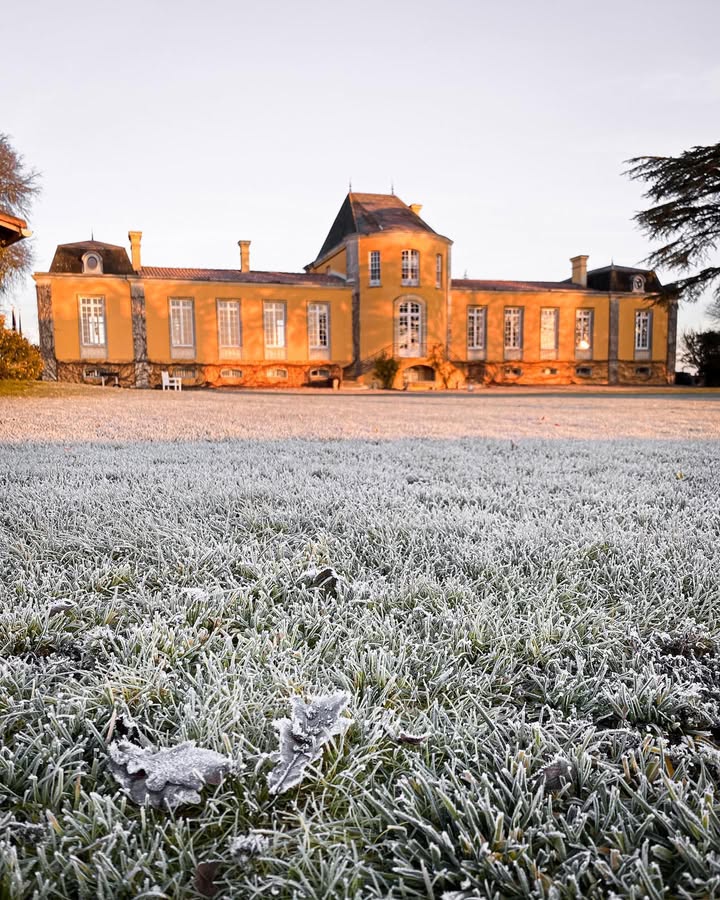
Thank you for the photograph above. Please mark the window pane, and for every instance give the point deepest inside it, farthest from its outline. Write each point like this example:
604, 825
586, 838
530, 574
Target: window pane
642, 330
583, 329
410, 266
548, 329
274, 323
374, 267
513, 328
476, 327
181, 323
92, 321
228, 312
438, 270
318, 326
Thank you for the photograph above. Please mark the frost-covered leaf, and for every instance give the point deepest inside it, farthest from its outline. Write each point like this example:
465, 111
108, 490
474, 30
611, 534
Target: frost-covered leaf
169, 777
60, 606
556, 774
204, 880
303, 737
324, 579
405, 737
246, 846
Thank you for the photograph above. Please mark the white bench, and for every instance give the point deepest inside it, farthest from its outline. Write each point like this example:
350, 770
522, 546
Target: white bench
170, 382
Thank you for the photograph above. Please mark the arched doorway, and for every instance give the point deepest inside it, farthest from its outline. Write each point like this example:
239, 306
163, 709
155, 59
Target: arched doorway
410, 327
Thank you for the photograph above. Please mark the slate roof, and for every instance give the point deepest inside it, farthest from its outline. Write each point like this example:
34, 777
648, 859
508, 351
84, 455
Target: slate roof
68, 258
235, 276
619, 278
370, 213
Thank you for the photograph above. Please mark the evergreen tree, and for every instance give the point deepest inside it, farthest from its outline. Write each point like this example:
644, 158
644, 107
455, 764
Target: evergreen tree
685, 191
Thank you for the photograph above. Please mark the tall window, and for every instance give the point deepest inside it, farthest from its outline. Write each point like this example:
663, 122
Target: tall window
583, 333
410, 267
374, 268
476, 326
319, 330
410, 328
548, 330
513, 331
274, 328
643, 330
438, 270
229, 327
92, 321
182, 327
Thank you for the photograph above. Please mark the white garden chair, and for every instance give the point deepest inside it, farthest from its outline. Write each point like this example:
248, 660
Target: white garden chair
170, 382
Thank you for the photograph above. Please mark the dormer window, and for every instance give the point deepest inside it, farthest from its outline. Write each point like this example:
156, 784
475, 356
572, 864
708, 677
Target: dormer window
92, 263
638, 284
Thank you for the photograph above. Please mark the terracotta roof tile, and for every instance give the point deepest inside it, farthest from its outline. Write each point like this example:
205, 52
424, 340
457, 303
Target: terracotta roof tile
472, 284
235, 276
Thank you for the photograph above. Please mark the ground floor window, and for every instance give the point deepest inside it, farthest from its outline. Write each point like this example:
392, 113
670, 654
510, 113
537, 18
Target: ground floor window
92, 322
513, 332
229, 324
274, 320
583, 333
549, 332
410, 328
319, 330
182, 327
643, 333
476, 331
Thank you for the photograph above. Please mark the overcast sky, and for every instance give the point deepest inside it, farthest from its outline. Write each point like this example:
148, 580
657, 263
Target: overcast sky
204, 123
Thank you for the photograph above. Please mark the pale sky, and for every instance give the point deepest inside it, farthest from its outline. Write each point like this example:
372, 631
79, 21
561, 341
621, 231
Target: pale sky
203, 123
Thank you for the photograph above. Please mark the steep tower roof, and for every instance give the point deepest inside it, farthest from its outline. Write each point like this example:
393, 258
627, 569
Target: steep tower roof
370, 213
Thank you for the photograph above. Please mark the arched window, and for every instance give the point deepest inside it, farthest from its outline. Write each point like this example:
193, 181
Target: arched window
410, 328
638, 283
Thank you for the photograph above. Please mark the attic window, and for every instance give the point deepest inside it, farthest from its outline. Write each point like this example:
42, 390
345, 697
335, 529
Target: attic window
92, 263
638, 283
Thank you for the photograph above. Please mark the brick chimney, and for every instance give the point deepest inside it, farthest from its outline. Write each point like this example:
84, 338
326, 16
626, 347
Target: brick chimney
244, 255
579, 270
416, 207
135, 237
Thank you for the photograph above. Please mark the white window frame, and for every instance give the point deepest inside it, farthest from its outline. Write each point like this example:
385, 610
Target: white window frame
275, 329
410, 328
438, 270
93, 326
229, 323
181, 317
584, 326
513, 332
476, 332
549, 322
375, 268
318, 325
410, 268
643, 334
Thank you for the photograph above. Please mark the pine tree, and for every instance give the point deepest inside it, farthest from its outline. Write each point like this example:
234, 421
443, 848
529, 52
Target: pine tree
18, 188
685, 191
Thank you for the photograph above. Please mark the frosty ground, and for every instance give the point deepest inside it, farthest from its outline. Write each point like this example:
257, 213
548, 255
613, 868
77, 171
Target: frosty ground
530, 580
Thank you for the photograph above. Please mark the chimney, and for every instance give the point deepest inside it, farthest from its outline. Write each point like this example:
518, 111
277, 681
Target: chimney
416, 207
135, 237
244, 255
579, 270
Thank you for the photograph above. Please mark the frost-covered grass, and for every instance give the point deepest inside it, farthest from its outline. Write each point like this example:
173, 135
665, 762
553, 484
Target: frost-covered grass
64, 412
545, 611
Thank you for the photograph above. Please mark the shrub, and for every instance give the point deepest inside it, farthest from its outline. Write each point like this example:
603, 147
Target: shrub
386, 368
19, 359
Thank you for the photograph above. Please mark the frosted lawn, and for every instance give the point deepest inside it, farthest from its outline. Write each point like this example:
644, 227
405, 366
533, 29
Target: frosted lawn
544, 611
81, 413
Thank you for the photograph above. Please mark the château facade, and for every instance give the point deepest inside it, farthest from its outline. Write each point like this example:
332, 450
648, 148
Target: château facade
381, 283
